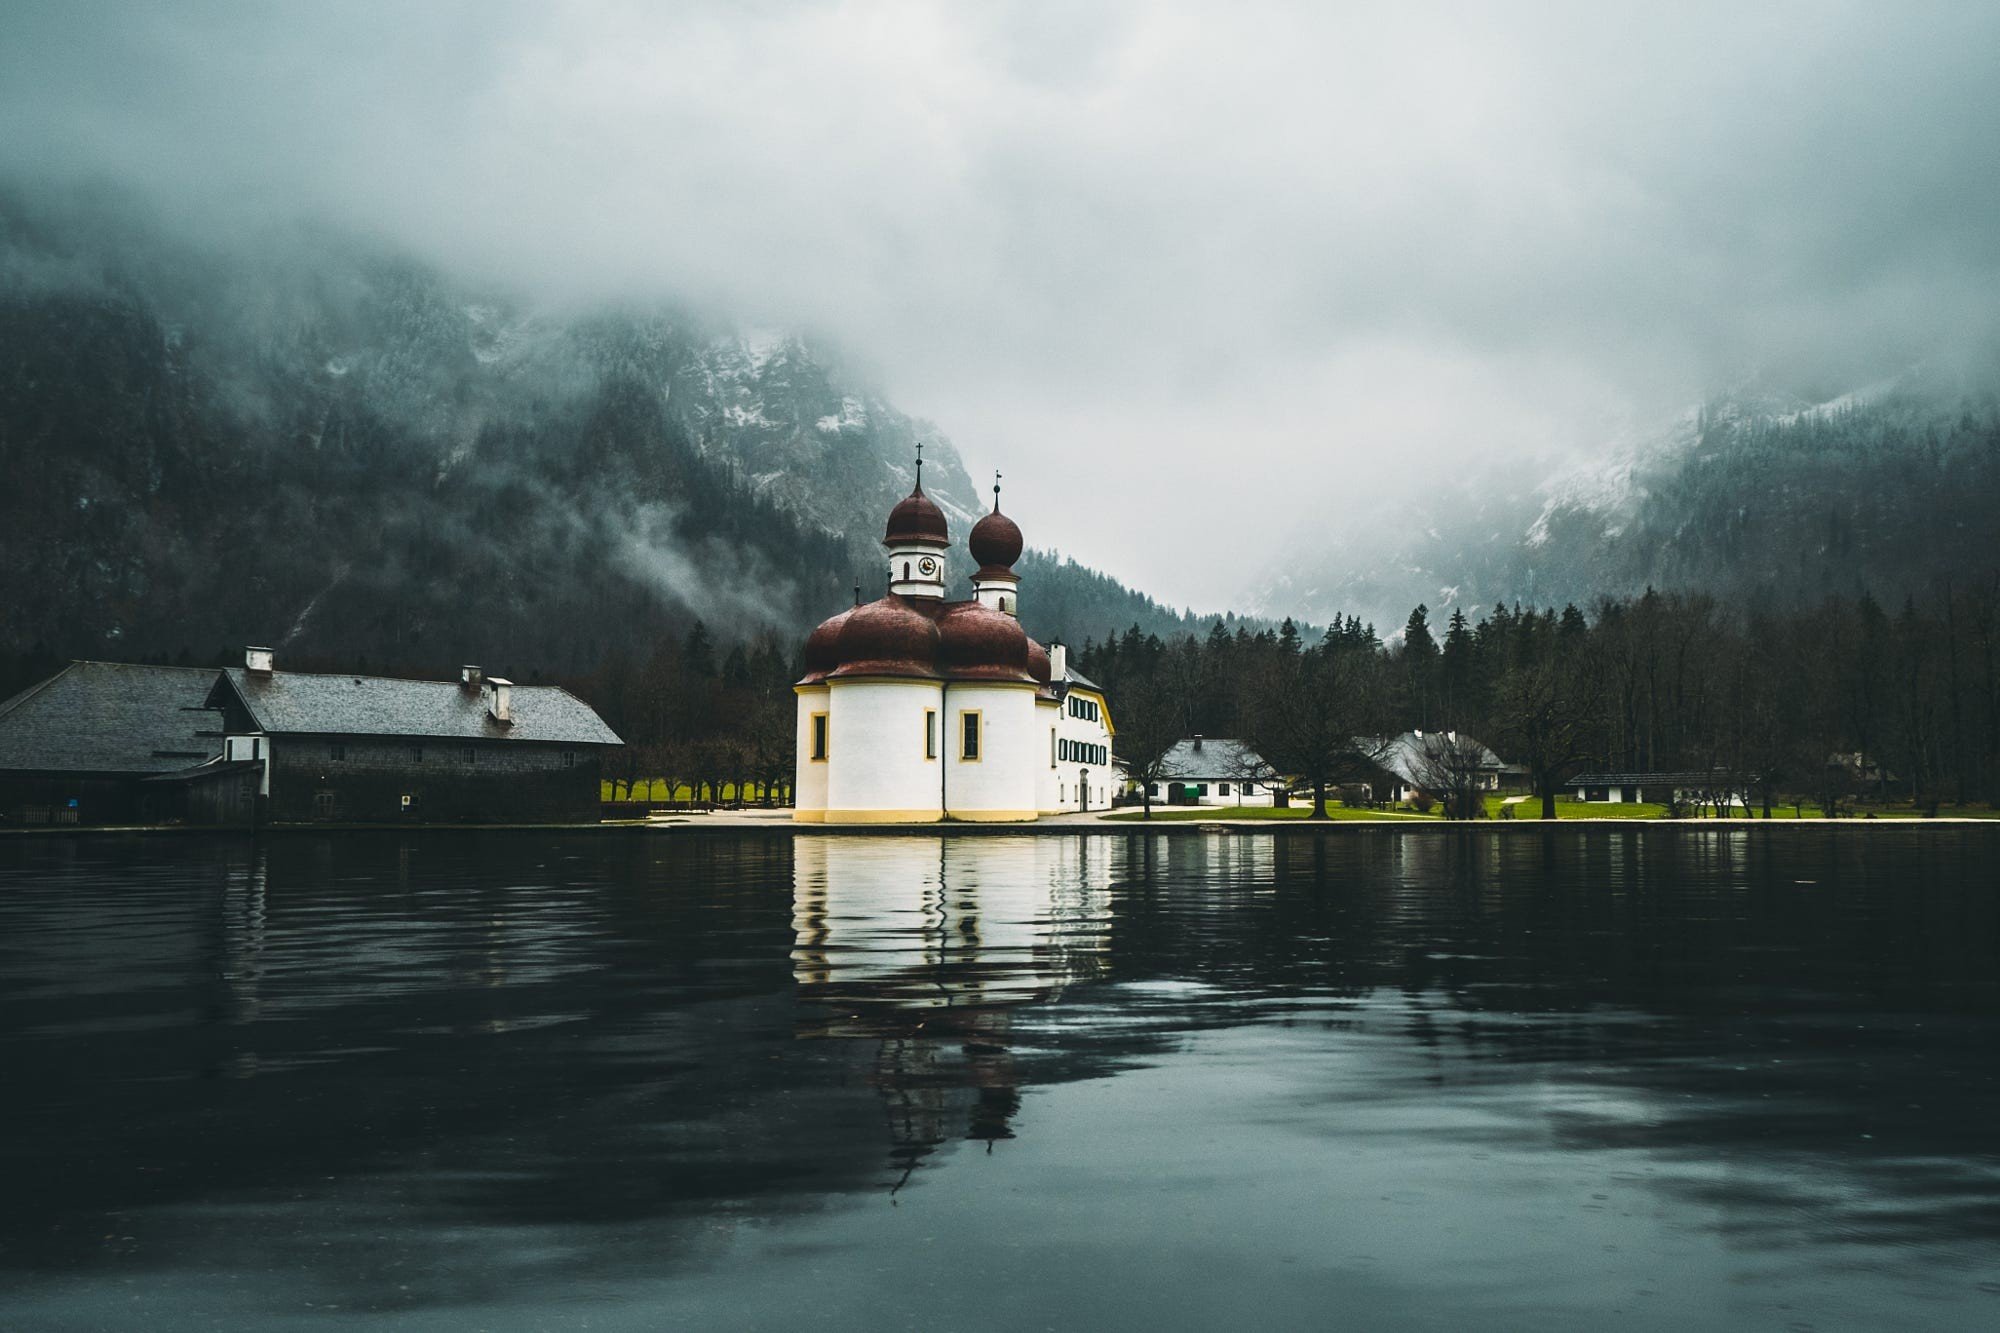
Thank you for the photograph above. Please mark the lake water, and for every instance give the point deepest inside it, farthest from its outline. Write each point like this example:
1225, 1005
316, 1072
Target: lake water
1657, 1078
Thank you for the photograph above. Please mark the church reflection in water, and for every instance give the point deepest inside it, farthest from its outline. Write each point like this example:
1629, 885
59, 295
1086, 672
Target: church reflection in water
926, 949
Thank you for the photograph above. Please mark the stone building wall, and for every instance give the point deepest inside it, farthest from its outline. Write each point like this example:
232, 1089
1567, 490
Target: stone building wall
365, 779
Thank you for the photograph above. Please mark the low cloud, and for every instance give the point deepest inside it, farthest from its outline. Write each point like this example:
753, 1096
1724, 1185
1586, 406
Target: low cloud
1180, 270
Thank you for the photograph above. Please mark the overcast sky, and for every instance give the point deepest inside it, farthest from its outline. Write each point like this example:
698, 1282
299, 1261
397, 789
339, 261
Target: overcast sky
1192, 275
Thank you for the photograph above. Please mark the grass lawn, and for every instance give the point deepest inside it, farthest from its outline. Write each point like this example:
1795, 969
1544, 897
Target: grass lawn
656, 789
1569, 809
1217, 813
1811, 811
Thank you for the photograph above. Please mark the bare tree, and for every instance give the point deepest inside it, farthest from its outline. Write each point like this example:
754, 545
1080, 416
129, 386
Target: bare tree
1548, 713
1452, 767
1306, 711
1150, 719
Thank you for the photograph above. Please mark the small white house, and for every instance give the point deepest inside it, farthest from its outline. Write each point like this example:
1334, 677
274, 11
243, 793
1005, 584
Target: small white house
1417, 761
1661, 788
1214, 771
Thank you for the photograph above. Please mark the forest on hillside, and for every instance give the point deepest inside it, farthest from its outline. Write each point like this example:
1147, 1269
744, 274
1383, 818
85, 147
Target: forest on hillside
301, 440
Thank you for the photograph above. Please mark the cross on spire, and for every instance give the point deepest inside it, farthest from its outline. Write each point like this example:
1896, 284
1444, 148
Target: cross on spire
920, 464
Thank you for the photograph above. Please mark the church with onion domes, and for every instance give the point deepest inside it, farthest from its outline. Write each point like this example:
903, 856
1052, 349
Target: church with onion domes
915, 709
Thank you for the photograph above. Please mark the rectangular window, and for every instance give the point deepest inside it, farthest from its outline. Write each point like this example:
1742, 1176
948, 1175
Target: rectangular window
1052, 747
337, 750
968, 736
930, 733
819, 737
1201, 788
1222, 789
569, 758
416, 754
471, 754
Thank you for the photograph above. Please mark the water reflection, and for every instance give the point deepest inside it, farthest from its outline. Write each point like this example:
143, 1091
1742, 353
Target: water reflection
924, 947
1447, 1078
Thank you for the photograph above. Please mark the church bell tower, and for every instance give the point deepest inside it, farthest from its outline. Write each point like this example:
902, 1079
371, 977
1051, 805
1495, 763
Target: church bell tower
916, 540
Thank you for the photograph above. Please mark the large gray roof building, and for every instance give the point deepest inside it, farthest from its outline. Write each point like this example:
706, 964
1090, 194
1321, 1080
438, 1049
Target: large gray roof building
111, 717
110, 742
312, 703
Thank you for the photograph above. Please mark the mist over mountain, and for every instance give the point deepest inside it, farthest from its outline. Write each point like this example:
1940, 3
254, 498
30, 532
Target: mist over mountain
301, 438
297, 436
1758, 495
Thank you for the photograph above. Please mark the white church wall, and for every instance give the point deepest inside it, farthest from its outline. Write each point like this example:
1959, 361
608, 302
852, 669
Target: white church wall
876, 769
1001, 782
808, 774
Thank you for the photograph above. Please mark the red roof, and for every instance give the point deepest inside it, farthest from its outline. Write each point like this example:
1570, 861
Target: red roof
995, 542
916, 521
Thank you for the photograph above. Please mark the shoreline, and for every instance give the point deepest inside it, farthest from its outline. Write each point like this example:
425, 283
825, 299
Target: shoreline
1058, 826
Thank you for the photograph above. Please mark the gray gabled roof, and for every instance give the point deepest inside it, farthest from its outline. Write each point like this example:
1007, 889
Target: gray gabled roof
298, 702
1071, 676
1410, 757
1213, 757
112, 717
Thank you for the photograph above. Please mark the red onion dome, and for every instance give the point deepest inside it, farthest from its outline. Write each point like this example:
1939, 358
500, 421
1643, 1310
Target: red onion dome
995, 542
822, 647
1038, 663
888, 637
976, 642
916, 521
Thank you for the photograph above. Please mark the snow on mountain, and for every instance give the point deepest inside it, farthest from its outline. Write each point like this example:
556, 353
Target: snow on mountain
1723, 494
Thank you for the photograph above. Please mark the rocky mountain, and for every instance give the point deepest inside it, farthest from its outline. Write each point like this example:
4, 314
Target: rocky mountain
304, 439
1757, 495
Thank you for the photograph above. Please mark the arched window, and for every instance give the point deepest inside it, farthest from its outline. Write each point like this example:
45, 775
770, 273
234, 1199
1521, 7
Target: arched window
906, 570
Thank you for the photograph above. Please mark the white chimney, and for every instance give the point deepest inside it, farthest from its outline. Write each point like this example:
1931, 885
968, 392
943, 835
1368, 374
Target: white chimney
468, 676
1058, 662
500, 699
1197, 740
260, 660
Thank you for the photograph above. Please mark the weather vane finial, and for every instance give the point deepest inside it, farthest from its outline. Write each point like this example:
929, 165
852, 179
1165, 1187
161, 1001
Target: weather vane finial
996, 490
